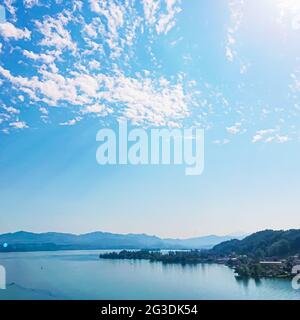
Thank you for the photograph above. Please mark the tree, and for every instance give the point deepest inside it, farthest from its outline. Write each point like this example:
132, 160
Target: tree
279, 248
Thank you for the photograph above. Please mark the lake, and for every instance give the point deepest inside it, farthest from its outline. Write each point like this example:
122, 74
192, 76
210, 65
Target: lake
82, 275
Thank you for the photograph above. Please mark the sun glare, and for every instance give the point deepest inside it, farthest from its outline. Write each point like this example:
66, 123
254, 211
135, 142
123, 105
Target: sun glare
290, 5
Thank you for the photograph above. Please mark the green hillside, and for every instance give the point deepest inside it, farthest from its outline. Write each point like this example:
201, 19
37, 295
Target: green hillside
266, 243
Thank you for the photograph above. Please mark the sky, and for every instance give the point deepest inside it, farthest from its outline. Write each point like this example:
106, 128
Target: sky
70, 68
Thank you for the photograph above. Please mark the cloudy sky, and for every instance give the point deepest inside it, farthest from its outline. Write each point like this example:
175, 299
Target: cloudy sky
69, 68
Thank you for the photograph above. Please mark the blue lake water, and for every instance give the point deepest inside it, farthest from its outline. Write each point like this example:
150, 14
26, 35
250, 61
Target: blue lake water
82, 275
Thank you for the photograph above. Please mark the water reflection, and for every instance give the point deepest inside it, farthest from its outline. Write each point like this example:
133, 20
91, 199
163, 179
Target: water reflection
246, 281
242, 281
82, 275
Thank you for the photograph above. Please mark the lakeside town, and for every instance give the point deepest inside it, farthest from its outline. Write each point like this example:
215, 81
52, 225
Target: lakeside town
243, 265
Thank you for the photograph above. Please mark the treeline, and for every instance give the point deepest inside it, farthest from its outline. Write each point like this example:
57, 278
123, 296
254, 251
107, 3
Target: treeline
262, 244
182, 257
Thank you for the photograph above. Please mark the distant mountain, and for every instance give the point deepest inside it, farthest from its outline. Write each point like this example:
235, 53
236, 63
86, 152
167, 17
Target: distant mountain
199, 242
268, 243
28, 241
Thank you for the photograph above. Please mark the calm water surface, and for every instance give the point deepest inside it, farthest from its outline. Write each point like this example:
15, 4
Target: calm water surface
82, 275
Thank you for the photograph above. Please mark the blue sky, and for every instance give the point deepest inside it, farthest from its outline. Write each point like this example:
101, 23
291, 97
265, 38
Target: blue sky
70, 68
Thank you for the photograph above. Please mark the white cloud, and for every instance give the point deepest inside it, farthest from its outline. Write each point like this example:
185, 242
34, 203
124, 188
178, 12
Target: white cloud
148, 102
236, 17
161, 14
295, 86
167, 21
71, 122
10, 7
18, 125
235, 129
42, 56
277, 138
269, 135
266, 131
97, 108
282, 139
90, 30
151, 8
30, 3
43, 110
94, 64
11, 110
229, 53
53, 87
261, 134
54, 32
257, 138
221, 141
8, 30
95, 7
141, 100
114, 15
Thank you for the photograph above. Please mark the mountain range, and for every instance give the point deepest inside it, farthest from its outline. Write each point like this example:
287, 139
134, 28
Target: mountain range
50, 241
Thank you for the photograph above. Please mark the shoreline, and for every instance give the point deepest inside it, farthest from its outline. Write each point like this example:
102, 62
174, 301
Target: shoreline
243, 266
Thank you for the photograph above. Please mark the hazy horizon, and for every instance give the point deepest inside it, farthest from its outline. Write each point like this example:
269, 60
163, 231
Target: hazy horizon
232, 234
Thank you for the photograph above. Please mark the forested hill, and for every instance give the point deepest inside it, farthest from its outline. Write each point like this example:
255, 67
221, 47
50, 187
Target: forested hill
266, 243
